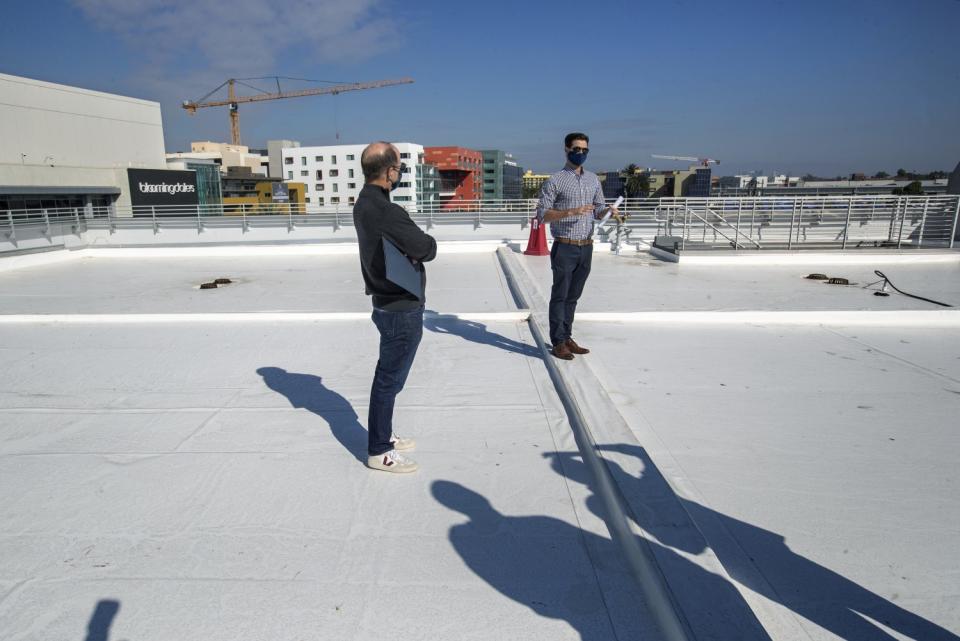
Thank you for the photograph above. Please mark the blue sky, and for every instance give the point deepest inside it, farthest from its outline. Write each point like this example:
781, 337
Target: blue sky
822, 87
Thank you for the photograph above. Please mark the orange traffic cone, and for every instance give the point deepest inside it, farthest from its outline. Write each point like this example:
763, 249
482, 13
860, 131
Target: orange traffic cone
537, 245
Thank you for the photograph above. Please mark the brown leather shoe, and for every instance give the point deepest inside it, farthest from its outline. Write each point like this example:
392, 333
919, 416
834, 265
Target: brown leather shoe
562, 351
576, 349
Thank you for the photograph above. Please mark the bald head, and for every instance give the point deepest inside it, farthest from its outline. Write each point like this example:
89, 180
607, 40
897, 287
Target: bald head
377, 158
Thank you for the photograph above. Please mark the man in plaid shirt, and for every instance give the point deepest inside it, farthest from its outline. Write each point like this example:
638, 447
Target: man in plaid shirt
570, 201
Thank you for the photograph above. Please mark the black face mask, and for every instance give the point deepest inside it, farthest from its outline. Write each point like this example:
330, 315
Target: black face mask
394, 185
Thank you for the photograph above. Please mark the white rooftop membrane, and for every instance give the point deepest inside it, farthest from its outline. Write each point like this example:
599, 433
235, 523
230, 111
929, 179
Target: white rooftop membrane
155, 467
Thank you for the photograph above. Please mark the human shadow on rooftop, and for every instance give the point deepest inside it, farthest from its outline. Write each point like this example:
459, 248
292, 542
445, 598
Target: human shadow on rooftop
98, 629
759, 560
547, 565
475, 333
308, 392
538, 561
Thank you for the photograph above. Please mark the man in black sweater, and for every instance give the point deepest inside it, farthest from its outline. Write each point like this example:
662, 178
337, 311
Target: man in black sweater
397, 313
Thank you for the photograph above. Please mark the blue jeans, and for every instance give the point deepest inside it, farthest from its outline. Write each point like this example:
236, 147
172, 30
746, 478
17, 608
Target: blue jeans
400, 334
571, 266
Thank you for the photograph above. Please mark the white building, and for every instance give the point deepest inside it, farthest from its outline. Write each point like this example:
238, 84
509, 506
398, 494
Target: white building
334, 177
225, 155
67, 147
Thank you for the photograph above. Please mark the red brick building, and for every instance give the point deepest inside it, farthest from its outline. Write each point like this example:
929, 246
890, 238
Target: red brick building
461, 173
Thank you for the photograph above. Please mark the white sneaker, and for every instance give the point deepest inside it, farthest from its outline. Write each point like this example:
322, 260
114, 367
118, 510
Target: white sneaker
402, 444
392, 461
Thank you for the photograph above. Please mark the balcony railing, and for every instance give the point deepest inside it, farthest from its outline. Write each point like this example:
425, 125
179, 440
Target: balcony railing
753, 223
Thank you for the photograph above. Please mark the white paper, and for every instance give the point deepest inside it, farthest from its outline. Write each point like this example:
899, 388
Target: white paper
606, 217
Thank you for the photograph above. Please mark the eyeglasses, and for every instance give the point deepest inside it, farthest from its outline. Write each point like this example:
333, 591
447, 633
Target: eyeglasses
579, 150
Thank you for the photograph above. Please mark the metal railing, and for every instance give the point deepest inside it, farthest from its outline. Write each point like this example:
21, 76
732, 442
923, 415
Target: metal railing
754, 223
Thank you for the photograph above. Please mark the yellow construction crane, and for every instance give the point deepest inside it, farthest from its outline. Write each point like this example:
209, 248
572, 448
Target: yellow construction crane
233, 100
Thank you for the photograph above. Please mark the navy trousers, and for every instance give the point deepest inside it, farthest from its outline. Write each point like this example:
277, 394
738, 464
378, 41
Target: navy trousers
571, 266
400, 334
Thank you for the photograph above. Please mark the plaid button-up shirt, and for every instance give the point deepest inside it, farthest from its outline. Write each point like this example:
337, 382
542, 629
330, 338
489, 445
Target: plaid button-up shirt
567, 189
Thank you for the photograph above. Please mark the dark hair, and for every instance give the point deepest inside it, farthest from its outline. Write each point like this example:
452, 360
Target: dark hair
575, 136
374, 163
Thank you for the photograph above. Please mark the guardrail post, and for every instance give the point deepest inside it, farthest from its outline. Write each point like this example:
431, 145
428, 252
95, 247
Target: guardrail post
923, 221
956, 216
686, 228
76, 221
336, 220
736, 232
46, 220
793, 217
12, 234
244, 228
903, 219
153, 214
800, 221
111, 212
846, 226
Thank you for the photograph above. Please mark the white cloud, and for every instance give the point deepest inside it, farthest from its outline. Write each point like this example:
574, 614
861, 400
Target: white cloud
248, 35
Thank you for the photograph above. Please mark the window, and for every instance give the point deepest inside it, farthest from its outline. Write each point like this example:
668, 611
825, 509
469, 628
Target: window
349, 173
320, 200
403, 185
334, 173
333, 160
351, 185
402, 199
351, 200
404, 155
303, 160
289, 175
318, 158
335, 200
288, 160
335, 188
306, 199
318, 187
304, 173
350, 157
319, 174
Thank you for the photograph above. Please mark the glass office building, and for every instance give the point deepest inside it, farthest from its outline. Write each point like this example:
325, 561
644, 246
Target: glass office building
502, 177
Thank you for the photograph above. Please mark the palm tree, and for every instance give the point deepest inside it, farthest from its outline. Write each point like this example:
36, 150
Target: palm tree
637, 183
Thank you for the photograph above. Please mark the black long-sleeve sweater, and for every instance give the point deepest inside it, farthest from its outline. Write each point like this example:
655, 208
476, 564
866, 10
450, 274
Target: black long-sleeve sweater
376, 218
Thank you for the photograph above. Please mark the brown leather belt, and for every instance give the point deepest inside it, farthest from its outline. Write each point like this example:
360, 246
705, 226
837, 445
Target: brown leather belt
573, 241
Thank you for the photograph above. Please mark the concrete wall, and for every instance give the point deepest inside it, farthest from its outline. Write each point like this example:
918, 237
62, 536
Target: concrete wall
42, 123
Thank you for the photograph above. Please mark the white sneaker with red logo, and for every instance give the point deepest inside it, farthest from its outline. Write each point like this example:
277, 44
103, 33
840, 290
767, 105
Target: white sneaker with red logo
392, 461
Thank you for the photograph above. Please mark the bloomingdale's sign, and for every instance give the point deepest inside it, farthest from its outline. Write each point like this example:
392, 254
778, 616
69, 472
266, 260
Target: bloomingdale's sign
166, 188
162, 187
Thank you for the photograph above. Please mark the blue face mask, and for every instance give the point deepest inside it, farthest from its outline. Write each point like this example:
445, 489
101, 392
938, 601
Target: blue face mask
577, 158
